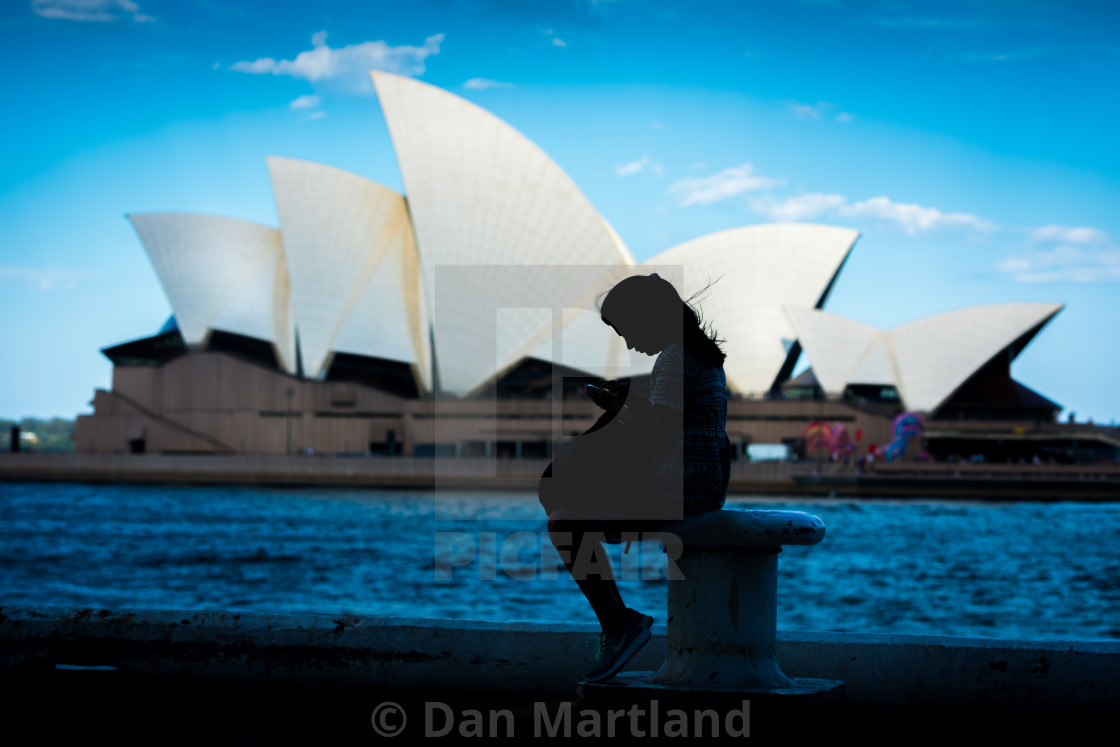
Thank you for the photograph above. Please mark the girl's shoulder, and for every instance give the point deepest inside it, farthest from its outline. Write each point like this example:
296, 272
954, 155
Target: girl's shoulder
672, 362
676, 352
680, 356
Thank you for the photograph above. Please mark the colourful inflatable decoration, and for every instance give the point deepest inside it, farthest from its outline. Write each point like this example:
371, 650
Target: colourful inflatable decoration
842, 441
907, 426
831, 437
817, 435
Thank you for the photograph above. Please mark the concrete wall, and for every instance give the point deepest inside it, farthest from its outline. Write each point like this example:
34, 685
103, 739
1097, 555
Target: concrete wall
948, 671
415, 472
521, 474
1059, 482
324, 650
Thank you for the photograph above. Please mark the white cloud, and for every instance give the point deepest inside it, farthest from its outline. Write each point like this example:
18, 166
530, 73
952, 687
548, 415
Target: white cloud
50, 278
945, 23
1068, 234
482, 84
642, 164
1016, 264
817, 111
95, 11
810, 111
1084, 52
1065, 254
913, 218
306, 101
804, 111
633, 167
910, 217
559, 43
349, 64
727, 183
308, 106
801, 207
1064, 264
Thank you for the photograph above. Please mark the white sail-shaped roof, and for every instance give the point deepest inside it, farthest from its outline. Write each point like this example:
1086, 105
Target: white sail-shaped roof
876, 366
756, 271
934, 355
836, 345
590, 345
927, 359
221, 273
481, 194
352, 262
389, 319
267, 287
497, 255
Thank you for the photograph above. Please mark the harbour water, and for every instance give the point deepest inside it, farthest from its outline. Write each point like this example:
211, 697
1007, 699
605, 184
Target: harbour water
997, 570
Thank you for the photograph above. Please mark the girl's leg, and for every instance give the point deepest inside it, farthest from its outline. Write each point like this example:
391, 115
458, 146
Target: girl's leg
600, 589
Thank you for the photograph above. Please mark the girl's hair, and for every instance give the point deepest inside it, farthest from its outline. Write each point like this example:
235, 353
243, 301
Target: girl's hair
700, 337
651, 300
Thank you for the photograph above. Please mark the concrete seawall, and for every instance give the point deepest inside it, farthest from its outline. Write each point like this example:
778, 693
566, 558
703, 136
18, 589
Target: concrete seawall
880, 671
413, 472
400, 472
1014, 482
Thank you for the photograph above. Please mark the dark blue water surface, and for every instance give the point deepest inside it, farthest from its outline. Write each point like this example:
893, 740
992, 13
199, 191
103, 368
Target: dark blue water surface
1006, 570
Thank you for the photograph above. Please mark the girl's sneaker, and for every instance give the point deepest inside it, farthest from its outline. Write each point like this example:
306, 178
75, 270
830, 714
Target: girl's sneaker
615, 650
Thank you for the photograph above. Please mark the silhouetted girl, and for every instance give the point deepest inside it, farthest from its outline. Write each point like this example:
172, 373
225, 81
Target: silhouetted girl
645, 460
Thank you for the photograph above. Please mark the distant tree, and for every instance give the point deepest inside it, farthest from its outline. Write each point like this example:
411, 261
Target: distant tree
56, 434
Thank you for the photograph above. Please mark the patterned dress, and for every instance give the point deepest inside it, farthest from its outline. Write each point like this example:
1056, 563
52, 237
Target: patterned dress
698, 465
620, 476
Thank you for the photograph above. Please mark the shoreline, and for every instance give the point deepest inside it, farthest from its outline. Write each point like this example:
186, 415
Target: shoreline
899, 480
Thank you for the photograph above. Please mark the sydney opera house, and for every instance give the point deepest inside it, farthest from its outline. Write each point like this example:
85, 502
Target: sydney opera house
459, 319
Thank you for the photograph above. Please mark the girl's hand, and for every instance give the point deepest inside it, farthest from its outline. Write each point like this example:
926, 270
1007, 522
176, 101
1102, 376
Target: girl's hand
603, 398
619, 390
609, 395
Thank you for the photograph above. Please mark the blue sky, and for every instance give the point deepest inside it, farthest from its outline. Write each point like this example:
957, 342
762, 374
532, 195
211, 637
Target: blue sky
973, 145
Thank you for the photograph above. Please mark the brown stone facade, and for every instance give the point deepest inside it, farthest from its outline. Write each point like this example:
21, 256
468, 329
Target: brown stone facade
213, 402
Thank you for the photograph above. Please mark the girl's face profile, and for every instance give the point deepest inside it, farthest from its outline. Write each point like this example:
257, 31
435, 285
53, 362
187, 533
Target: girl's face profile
644, 311
638, 337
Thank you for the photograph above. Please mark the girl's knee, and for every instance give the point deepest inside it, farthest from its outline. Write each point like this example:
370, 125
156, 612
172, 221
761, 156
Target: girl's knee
556, 522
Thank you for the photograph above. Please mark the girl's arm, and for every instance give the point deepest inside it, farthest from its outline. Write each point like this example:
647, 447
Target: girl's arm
658, 425
664, 416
